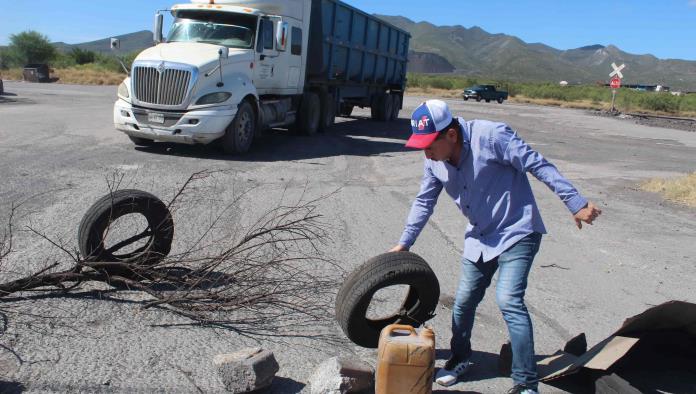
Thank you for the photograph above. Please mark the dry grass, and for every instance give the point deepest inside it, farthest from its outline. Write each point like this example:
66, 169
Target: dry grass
681, 190
73, 75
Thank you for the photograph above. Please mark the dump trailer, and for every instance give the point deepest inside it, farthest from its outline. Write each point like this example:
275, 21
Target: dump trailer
230, 69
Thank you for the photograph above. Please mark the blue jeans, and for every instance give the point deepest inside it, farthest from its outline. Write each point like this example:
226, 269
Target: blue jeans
514, 265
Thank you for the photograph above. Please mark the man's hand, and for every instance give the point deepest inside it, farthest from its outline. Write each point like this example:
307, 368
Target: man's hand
587, 215
399, 248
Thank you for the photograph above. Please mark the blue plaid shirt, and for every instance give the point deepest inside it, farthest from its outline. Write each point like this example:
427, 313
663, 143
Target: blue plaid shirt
491, 189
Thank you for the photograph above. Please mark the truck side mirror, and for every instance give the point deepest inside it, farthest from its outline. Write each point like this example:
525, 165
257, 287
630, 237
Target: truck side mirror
224, 52
281, 35
159, 21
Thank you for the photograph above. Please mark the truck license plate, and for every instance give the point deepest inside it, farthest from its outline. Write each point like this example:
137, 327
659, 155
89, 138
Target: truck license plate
154, 117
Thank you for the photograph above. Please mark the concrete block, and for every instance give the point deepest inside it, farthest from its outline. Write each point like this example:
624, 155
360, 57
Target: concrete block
246, 370
340, 375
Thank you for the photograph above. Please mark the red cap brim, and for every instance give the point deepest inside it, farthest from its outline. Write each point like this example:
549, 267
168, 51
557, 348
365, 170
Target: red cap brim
421, 141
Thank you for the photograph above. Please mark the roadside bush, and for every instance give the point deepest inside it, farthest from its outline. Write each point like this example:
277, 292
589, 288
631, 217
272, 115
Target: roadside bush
82, 56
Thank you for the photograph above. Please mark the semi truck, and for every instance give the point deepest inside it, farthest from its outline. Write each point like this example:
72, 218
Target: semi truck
230, 69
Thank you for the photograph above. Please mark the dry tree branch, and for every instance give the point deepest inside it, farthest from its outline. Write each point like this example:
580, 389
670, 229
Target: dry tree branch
270, 279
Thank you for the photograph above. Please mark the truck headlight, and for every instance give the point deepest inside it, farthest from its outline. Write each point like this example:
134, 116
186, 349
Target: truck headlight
123, 90
214, 98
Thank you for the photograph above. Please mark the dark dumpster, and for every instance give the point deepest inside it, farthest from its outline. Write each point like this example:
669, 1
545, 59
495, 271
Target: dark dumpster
36, 73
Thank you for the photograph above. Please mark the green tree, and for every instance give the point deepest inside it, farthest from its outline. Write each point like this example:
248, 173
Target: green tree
30, 47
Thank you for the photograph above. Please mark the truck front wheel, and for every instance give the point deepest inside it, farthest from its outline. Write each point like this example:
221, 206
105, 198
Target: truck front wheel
500, 100
240, 133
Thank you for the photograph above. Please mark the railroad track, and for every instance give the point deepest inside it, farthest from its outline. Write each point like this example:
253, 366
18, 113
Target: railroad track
648, 116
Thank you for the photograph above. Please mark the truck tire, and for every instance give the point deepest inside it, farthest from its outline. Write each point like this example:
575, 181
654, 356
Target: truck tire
500, 100
466, 98
346, 110
389, 269
396, 107
376, 107
141, 141
387, 108
488, 100
240, 133
478, 99
328, 113
106, 210
309, 114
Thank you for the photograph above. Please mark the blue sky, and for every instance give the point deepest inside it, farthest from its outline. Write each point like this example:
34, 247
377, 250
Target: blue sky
666, 28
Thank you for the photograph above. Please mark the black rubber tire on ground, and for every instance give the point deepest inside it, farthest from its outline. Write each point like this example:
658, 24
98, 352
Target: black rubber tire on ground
241, 131
500, 100
107, 209
488, 100
141, 141
346, 110
466, 98
309, 114
478, 99
328, 113
389, 269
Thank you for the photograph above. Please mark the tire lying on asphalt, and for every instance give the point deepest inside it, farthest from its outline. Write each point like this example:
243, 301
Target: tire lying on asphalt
158, 235
389, 269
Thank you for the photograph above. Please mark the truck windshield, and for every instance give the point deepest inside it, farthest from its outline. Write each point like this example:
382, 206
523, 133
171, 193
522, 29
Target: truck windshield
230, 30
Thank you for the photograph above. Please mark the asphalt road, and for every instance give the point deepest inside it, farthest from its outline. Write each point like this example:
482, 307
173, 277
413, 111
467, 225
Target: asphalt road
58, 148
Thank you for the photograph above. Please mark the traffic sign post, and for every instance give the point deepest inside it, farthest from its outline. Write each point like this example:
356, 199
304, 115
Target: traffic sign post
615, 83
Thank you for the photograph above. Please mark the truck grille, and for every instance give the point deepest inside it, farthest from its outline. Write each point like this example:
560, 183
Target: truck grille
168, 87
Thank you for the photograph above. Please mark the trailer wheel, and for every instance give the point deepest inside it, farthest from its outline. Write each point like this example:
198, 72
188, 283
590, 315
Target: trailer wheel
376, 107
310, 114
387, 108
97, 221
500, 100
389, 269
396, 106
240, 133
141, 141
328, 113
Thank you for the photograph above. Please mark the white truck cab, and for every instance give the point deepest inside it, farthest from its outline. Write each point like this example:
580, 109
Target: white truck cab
227, 70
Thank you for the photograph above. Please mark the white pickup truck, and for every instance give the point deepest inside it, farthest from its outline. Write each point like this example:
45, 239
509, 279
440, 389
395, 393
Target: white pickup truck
230, 69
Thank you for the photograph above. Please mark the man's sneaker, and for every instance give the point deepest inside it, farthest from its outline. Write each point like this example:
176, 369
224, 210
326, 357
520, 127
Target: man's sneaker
522, 389
452, 371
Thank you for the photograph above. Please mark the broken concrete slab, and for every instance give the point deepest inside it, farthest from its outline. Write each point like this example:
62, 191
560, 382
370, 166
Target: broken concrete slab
340, 375
246, 370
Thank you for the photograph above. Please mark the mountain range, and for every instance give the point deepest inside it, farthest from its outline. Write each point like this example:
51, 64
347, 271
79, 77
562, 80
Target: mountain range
475, 52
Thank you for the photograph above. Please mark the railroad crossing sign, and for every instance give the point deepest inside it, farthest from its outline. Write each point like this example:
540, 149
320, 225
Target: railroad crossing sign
615, 82
617, 70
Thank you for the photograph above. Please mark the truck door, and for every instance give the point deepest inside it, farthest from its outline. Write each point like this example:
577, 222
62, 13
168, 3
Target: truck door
265, 73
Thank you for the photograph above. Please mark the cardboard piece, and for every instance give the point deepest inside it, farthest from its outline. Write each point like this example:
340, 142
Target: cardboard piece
672, 315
